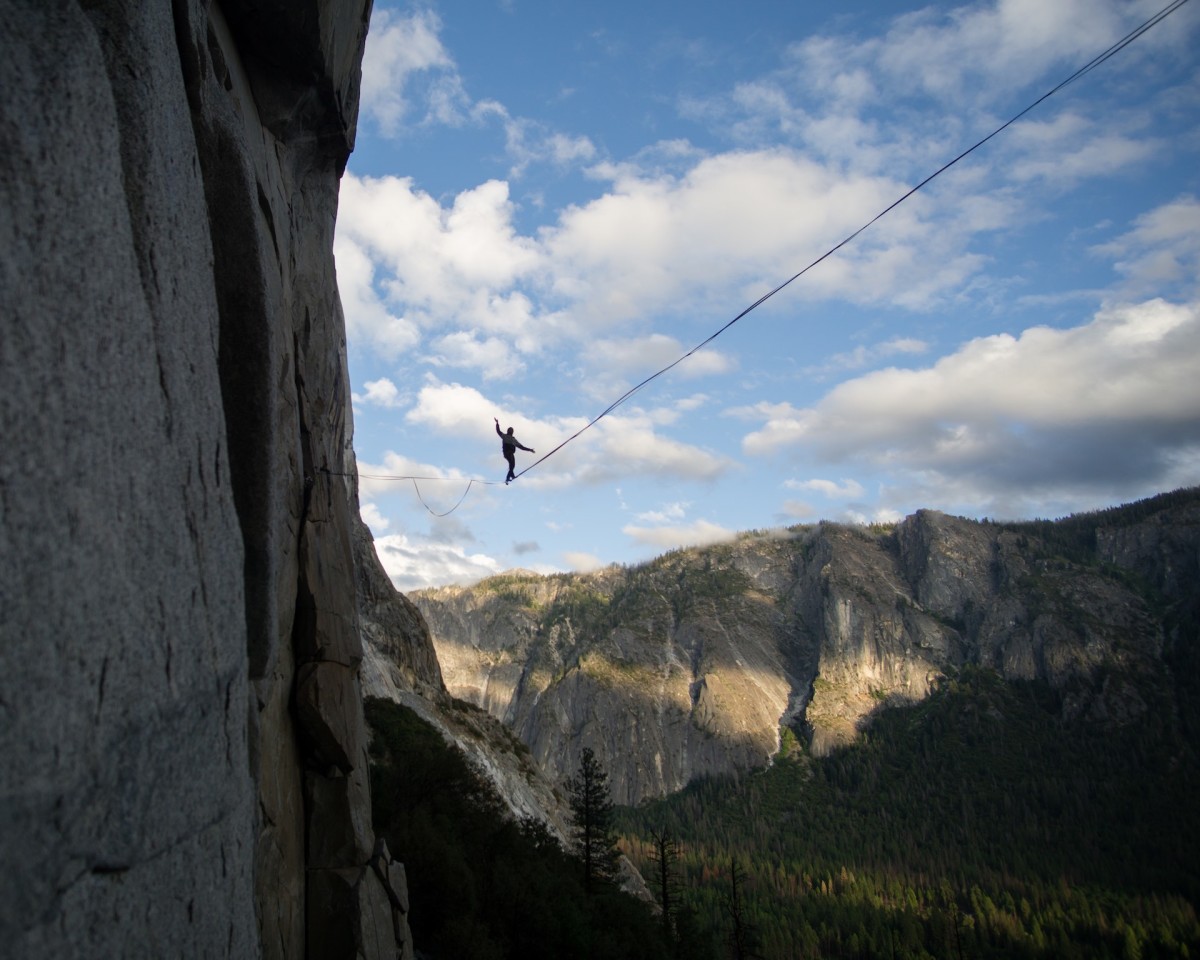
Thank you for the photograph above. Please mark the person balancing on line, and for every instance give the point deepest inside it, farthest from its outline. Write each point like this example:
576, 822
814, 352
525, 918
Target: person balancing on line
508, 446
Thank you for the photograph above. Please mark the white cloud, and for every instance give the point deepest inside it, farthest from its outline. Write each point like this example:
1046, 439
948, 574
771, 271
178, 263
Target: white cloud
847, 488
373, 518
493, 357
735, 221
698, 533
380, 393
367, 318
618, 445
1114, 401
583, 562
669, 513
376, 479
1162, 247
456, 267
415, 566
1006, 41
867, 355
613, 365
650, 353
401, 49
1090, 155
462, 411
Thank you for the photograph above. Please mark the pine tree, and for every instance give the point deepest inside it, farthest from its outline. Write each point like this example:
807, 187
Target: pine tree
742, 933
664, 855
592, 811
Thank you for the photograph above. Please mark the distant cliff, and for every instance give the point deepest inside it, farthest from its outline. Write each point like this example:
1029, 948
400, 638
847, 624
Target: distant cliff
691, 663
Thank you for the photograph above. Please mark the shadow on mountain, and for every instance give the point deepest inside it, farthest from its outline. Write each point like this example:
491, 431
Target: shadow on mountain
1045, 838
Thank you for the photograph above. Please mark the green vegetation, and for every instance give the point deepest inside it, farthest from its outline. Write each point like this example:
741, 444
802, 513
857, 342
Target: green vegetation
512, 588
1074, 537
580, 604
481, 886
592, 813
974, 824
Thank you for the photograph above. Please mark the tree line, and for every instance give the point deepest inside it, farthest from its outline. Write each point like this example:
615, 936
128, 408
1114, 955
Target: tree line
976, 824
973, 825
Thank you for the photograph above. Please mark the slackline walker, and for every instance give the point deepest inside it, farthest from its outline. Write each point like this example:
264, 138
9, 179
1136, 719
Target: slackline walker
508, 450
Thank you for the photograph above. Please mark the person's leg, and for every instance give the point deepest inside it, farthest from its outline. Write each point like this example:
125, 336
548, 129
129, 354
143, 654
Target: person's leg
512, 466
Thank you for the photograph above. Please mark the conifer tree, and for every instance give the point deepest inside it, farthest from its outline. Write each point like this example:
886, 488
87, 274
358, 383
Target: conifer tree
592, 811
664, 855
742, 932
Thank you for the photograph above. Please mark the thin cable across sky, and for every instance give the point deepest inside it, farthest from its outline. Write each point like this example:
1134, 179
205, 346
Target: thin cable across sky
1079, 73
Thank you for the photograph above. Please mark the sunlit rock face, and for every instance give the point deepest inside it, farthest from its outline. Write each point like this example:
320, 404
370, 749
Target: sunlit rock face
689, 665
400, 664
180, 719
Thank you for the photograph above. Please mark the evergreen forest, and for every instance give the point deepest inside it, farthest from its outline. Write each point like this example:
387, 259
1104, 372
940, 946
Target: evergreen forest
483, 886
976, 824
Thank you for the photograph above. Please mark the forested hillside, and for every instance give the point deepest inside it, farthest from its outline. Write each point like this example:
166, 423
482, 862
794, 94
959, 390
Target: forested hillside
977, 824
977, 740
485, 885
688, 665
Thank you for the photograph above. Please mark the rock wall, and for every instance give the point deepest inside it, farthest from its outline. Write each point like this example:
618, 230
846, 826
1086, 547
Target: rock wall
400, 664
185, 754
688, 665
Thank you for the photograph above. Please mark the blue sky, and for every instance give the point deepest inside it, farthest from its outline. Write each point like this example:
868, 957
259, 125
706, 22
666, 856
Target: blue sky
548, 202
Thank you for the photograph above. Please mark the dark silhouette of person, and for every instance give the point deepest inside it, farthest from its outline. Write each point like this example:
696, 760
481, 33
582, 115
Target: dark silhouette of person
508, 446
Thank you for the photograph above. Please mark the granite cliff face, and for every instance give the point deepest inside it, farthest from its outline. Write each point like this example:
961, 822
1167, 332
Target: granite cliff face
400, 664
184, 750
689, 664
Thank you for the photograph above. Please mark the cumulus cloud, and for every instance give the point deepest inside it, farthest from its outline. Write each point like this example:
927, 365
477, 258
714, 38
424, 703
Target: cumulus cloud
1070, 147
611, 366
368, 318
458, 266
492, 357
695, 534
669, 512
1113, 402
414, 565
525, 546
847, 488
402, 49
1163, 246
376, 479
617, 446
379, 393
1005, 41
373, 518
713, 235
583, 562
648, 353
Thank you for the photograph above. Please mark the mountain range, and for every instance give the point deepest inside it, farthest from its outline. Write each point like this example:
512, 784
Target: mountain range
698, 662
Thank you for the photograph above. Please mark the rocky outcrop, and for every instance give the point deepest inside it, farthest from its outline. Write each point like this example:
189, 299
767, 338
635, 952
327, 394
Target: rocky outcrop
400, 664
690, 664
185, 753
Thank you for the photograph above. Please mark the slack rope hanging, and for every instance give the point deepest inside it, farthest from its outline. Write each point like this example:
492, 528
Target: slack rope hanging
471, 481
430, 509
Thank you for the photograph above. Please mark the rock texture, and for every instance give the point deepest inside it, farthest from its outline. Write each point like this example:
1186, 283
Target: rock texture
690, 664
400, 664
185, 754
